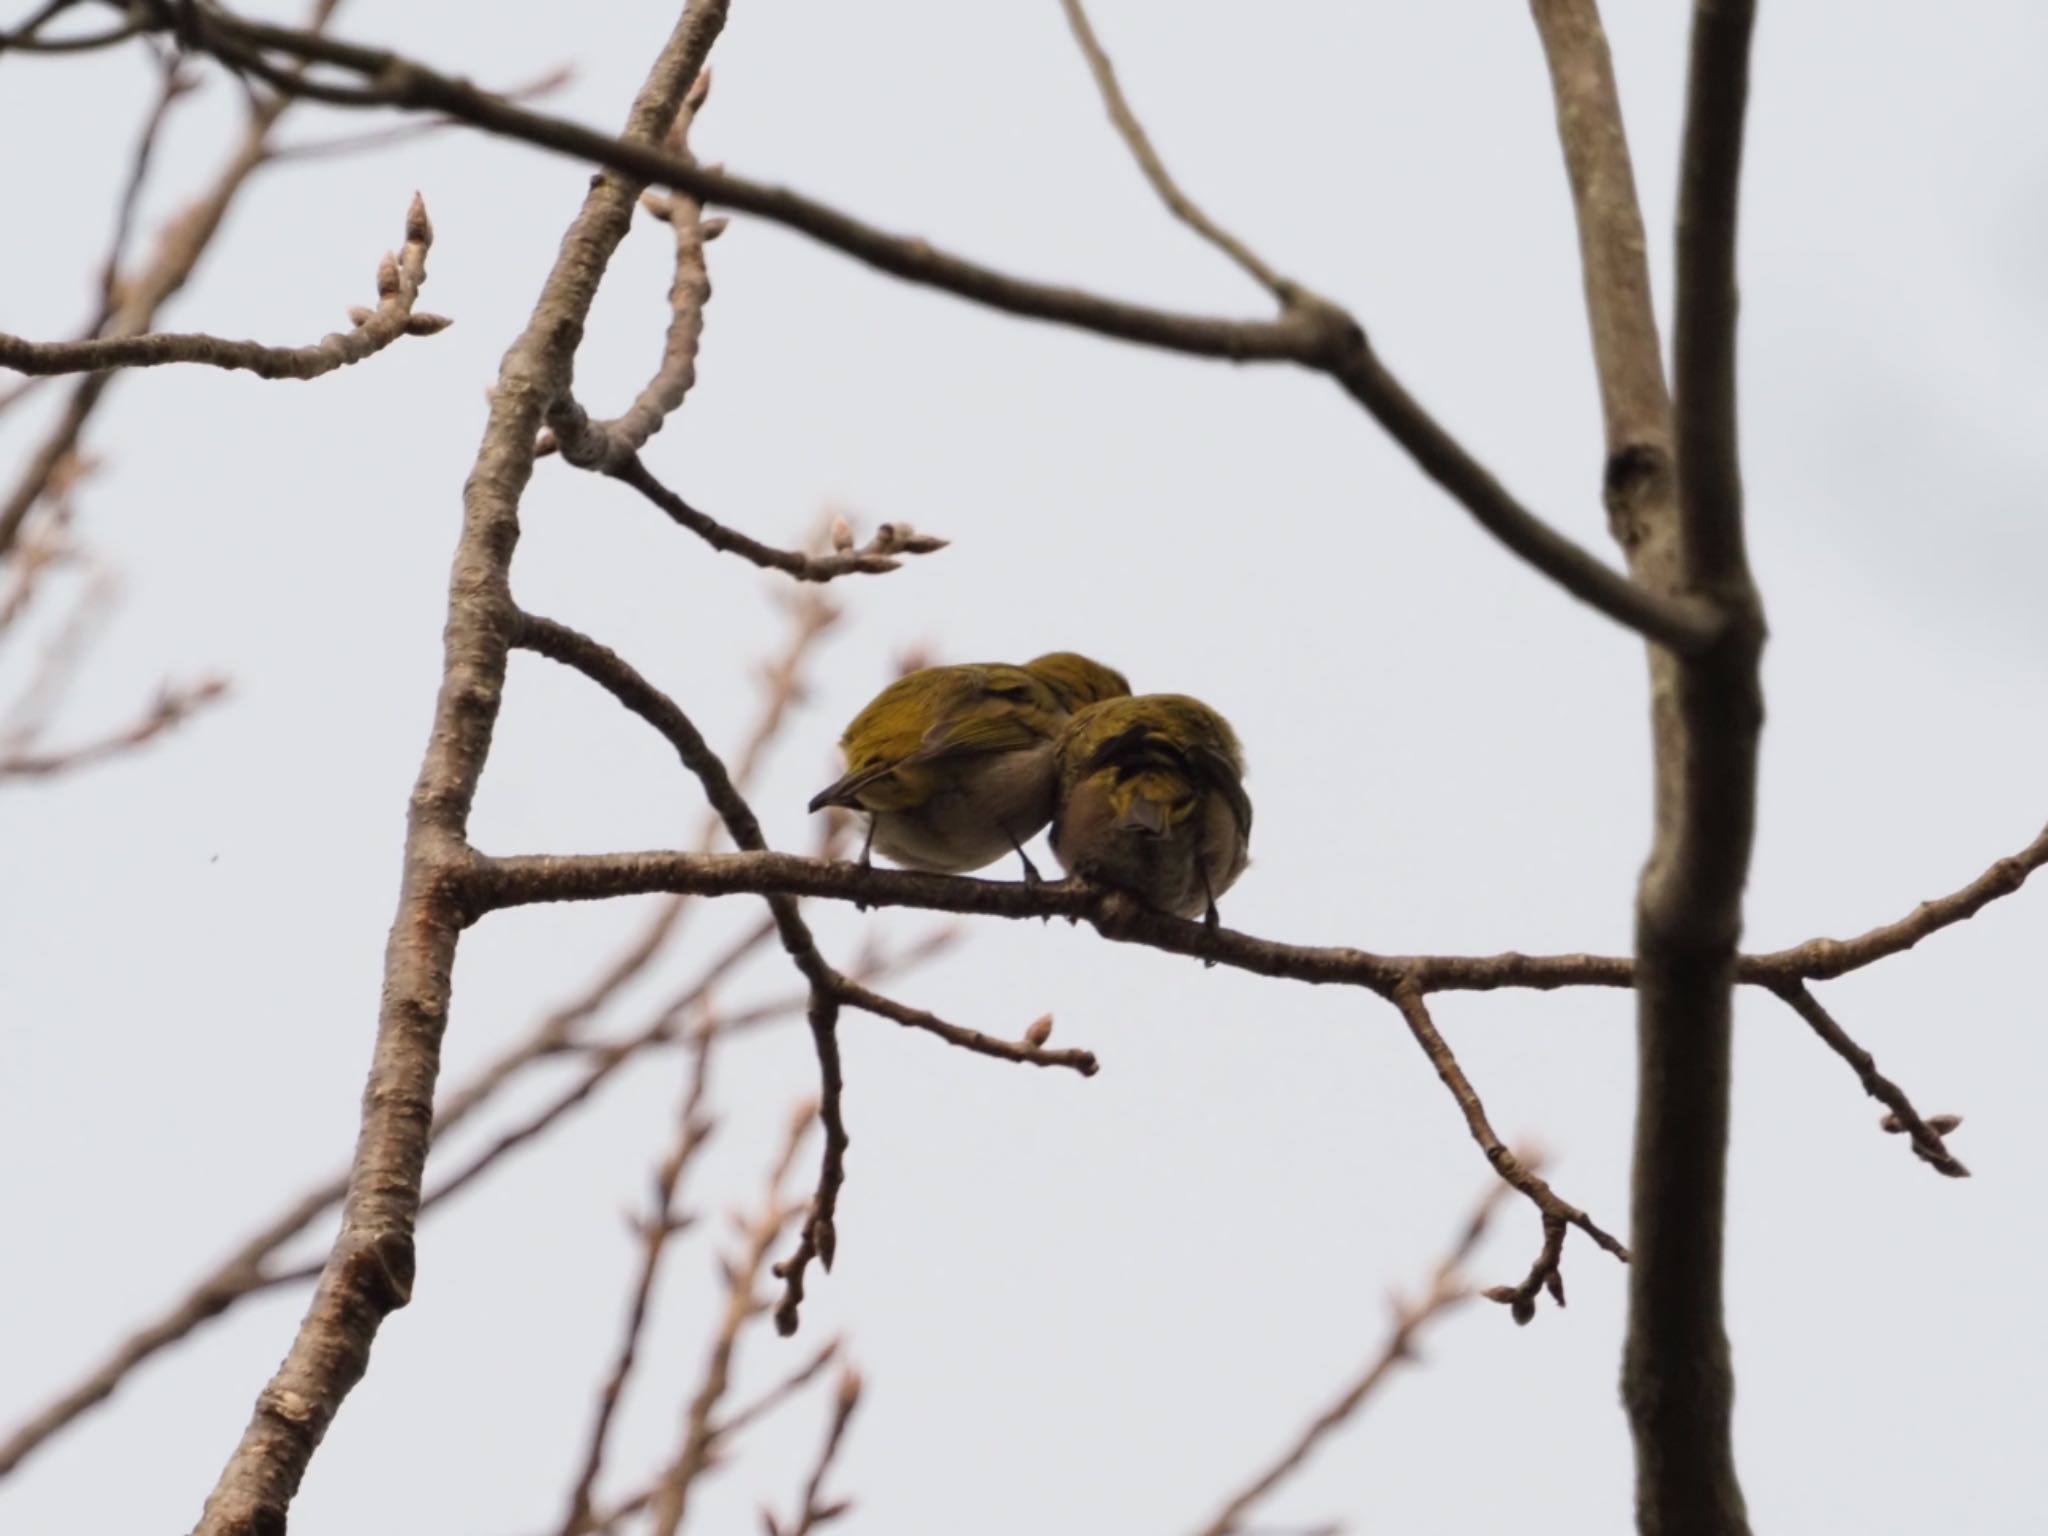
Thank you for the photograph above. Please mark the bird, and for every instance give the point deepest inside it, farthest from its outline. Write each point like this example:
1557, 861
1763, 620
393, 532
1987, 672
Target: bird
1152, 800
955, 765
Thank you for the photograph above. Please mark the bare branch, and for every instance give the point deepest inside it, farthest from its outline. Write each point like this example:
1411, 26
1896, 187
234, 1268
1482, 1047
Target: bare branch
781, 1392
237, 1276
1676, 621
829, 988
1557, 1213
1311, 332
402, 82
857, 996
671, 1495
1446, 1292
172, 706
1178, 202
1825, 959
814, 1513
693, 1128
181, 243
1703, 335
176, 84
602, 445
1926, 1137
610, 672
880, 554
28, 38
1677, 1376
376, 139
398, 286
526, 879
1613, 255
369, 1273
45, 547
244, 1273
607, 1061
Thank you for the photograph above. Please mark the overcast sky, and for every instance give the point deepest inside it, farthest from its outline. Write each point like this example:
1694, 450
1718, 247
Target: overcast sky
1080, 1305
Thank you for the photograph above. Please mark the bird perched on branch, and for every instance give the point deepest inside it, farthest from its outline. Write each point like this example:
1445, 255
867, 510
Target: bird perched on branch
955, 766
1151, 798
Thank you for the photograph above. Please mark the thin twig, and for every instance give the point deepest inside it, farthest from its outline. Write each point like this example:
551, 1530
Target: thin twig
403, 82
671, 1494
375, 139
1178, 202
693, 1128
1447, 1291
176, 84
1556, 1212
26, 39
604, 1061
829, 987
1311, 332
243, 1272
398, 286
856, 996
1825, 959
45, 547
173, 705
181, 243
27, 716
591, 444
1926, 1137
611, 672
880, 554
740, 1418
814, 1513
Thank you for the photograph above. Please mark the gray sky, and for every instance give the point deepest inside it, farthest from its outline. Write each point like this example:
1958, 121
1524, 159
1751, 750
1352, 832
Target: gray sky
1079, 1305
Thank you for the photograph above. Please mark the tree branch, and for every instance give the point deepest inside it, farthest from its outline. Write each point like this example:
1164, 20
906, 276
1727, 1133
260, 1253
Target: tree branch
181, 244
1311, 331
1674, 620
813, 1514
398, 286
854, 995
670, 1496
244, 1271
693, 1129
1178, 202
590, 444
1825, 959
1639, 479
1677, 1377
829, 987
1446, 1292
524, 880
28, 38
370, 1270
1926, 1136
1517, 1175
879, 555
610, 671
172, 706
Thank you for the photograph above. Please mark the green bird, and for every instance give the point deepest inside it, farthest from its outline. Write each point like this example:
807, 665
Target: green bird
956, 765
1151, 799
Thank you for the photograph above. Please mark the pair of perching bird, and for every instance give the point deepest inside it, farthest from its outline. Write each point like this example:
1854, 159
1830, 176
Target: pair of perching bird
958, 765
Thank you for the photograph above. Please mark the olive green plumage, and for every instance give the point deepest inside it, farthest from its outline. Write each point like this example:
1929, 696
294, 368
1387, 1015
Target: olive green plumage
955, 765
1151, 799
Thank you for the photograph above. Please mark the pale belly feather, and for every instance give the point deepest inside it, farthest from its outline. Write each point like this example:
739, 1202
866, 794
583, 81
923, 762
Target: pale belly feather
973, 822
